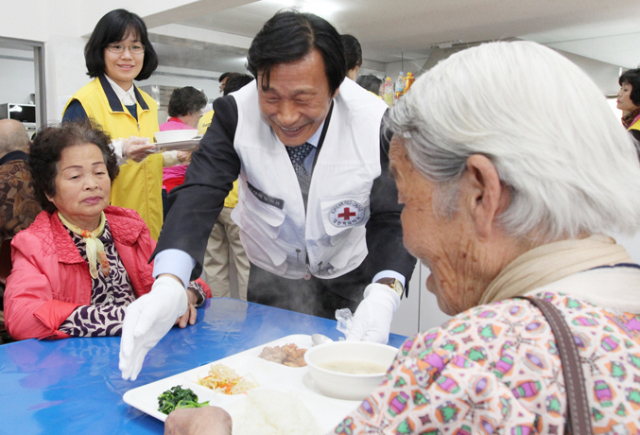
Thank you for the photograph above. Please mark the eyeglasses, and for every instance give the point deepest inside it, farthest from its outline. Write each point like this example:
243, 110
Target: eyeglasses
120, 48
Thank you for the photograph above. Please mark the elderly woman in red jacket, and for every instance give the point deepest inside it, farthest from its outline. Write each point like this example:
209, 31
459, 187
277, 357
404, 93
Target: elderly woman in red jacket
82, 262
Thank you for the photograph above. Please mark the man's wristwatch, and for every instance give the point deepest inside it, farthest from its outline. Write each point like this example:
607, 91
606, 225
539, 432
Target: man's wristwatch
394, 283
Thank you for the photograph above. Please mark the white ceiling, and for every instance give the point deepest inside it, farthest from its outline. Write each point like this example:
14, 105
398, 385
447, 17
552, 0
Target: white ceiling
604, 30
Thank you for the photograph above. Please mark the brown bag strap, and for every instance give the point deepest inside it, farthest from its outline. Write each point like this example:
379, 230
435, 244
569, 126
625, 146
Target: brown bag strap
578, 415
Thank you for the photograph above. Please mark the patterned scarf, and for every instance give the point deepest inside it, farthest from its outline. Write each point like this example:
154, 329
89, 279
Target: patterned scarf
629, 119
95, 248
552, 262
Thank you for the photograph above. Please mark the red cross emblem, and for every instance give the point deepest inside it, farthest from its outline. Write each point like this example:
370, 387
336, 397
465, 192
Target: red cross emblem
347, 214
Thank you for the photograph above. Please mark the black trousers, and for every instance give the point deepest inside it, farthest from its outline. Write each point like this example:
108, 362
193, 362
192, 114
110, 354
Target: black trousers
315, 296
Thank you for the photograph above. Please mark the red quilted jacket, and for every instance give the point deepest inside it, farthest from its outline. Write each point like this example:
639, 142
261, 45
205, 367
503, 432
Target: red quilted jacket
50, 279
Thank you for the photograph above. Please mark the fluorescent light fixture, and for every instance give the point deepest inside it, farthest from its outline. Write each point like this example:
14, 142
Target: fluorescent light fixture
321, 8
283, 3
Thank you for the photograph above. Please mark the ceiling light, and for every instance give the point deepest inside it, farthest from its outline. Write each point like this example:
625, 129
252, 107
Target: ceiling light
446, 44
321, 8
284, 3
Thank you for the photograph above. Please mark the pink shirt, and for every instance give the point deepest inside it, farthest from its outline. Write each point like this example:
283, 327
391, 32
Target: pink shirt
179, 170
174, 123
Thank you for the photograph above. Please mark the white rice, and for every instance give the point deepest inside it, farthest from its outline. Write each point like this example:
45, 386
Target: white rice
270, 412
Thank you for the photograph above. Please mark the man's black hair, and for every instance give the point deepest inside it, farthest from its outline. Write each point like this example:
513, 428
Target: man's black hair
225, 75
289, 36
114, 27
632, 77
236, 82
352, 51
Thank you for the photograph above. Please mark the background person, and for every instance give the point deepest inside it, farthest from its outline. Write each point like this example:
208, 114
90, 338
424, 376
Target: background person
353, 54
223, 80
185, 108
371, 83
205, 119
118, 52
335, 241
225, 236
503, 197
18, 205
82, 262
629, 101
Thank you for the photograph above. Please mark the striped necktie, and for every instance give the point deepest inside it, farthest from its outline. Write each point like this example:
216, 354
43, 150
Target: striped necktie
297, 156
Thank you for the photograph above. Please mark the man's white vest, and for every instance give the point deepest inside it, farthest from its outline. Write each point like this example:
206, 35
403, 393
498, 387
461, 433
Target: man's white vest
274, 229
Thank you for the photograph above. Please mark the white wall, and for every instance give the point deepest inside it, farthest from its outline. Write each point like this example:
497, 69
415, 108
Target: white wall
66, 72
17, 77
163, 76
419, 311
25, 19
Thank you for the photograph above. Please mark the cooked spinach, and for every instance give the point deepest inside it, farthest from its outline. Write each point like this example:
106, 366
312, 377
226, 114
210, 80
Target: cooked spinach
178, 397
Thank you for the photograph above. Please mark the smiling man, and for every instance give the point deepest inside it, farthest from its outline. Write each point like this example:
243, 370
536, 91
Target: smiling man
317, 211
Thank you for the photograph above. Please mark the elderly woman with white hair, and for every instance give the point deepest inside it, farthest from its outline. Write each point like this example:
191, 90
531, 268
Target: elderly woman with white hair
508, 192
512, 168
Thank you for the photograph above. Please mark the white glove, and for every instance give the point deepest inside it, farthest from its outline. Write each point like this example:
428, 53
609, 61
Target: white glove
147, 320
372, 319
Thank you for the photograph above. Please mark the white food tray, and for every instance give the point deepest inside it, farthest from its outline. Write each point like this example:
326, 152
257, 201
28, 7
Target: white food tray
269, 375
179, 145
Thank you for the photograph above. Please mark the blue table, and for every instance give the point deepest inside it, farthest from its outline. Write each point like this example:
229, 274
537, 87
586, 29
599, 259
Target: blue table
74, 386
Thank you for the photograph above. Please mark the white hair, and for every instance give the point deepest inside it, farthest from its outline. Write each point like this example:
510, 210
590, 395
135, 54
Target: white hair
570, 165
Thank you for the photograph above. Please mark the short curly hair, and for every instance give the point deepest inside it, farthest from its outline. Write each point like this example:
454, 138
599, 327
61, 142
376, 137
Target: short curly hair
186, 100
46, 150
632, 77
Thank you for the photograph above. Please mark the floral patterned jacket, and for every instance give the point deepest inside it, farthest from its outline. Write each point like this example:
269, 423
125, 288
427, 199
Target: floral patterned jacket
18, 205
495, 369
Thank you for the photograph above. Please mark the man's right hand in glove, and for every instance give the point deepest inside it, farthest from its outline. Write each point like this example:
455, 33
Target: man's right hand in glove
147, 320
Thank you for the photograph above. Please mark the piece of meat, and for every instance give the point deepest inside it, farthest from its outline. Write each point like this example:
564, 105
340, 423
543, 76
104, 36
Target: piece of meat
289, 355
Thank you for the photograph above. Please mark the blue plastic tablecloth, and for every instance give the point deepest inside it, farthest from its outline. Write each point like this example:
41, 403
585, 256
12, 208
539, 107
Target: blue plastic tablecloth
74, 386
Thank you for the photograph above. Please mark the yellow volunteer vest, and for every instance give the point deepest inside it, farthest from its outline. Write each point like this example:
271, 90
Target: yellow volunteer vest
203, 124
635, 125
139, 185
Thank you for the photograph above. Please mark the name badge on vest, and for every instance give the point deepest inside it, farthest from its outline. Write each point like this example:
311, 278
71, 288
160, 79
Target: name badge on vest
279, 203
346, 213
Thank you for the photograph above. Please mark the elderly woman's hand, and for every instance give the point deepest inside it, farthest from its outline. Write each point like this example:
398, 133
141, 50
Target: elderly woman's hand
137, 148
190, 316
184, 157
198, 421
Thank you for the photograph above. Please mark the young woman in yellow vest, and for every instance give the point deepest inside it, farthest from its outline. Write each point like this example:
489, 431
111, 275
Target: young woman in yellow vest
629, 101
118, 52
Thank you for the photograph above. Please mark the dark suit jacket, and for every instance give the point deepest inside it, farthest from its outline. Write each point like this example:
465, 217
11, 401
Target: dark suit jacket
214, 167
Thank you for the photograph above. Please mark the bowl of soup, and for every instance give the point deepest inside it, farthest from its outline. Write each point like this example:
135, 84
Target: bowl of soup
349, 370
